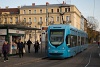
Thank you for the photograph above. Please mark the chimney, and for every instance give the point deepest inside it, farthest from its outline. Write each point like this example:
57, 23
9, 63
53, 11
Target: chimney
18, 6
47, 3
63, 2
7, 7
33, 4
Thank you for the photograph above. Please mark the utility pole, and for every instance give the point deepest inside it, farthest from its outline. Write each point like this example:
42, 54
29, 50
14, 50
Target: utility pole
46, 13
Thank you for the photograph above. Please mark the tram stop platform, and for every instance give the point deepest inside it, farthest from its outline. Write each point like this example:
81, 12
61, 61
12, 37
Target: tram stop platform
27, 58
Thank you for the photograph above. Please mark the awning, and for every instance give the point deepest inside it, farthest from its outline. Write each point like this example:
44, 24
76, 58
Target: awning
14, 26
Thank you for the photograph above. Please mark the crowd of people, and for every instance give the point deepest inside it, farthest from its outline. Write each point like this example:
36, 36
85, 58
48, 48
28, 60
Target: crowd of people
20, 48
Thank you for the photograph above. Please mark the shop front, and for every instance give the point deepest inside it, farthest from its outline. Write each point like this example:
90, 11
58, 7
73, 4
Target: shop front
12, 36
12, 33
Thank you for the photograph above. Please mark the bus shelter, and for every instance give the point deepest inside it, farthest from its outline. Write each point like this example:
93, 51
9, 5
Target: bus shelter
10, 32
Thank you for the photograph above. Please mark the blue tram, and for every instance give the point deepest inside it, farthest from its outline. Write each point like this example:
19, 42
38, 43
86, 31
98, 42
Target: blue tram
65, 41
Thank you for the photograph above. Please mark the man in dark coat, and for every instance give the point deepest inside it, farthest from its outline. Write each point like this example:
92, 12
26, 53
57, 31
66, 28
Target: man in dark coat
29, 45
20, 47
36, 46
5, 50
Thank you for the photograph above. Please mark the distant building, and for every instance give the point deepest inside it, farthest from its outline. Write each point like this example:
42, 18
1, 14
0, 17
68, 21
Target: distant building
9, 15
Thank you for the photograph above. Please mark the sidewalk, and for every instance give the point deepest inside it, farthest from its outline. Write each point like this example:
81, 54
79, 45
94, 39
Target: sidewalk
28, 57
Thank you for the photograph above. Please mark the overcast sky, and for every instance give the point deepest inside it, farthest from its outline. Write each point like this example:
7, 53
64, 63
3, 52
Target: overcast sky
86, 7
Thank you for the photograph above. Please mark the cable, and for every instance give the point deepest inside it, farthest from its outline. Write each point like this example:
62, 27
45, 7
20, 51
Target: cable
94, 8
58, 1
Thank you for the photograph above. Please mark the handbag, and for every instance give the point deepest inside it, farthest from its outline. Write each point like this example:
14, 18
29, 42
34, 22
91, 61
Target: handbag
24, 50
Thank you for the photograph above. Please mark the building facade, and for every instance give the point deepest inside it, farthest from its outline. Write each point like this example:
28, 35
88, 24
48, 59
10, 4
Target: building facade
38, 16
9, 15
44, 15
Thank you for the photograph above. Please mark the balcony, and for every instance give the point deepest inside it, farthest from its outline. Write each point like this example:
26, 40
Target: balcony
11, 22
67, 22
29, 23
17, 22
51, 22
40, 23
5, 22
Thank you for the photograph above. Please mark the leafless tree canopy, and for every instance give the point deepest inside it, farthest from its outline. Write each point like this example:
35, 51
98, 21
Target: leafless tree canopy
92, 23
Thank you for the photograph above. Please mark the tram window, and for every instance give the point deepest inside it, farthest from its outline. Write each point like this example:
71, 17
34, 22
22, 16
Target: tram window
68, 41
86, 40
79, 40
82, 40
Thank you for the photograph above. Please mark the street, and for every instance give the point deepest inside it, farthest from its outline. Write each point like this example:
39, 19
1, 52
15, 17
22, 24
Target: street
88, 58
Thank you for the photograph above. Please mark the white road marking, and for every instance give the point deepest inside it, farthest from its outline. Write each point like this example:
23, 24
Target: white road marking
89, 61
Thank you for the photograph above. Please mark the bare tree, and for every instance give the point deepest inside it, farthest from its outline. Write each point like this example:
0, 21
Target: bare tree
92, 23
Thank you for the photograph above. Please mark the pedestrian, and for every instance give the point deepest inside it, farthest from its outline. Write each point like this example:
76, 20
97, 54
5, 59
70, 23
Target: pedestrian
36, 46
20, 47
5, 50
29, 45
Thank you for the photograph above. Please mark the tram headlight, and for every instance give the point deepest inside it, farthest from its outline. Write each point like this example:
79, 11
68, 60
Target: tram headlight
63, 48
68, 50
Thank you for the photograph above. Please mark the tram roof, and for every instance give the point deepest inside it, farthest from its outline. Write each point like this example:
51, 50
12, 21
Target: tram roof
14, 26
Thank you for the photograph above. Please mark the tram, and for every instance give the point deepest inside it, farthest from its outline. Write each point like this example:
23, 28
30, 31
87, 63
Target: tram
65, 41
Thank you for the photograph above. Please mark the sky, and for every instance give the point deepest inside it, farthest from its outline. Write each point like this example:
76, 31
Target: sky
86, 7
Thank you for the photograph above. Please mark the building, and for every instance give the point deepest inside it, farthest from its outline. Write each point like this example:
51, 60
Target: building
11, 29
44, 15
9, 15
39, 16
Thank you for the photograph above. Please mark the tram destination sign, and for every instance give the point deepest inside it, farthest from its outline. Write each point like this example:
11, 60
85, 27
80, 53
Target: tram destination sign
57, 33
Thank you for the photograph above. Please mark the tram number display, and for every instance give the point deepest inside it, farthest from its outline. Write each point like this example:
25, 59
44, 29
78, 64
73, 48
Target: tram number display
56, 33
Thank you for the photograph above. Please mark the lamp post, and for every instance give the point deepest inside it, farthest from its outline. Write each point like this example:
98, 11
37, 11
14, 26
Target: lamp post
46, 13
40, 23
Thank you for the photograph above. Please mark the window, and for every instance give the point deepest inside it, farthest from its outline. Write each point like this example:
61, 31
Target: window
24, 19
29, 35
67, 9
34, 11
40, 19
11, 19
82, 40
67, 18
40, 10
34, 19
29, 19
71, 40
16, 19
24, 12
29, 11
57, 10
68, 40
5, 20
79, 40
52, 10
56, 37
57, 18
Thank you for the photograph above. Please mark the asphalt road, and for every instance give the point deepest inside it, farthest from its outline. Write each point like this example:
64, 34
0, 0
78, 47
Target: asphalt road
88, 58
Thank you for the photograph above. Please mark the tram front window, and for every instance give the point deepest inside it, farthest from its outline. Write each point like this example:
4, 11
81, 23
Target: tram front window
56, 37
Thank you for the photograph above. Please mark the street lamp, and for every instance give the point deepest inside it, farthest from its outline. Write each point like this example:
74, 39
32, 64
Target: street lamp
40, 23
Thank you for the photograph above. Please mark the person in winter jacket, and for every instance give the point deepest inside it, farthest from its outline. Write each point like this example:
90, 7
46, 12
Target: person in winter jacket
29, 45
20, 47
36, 46
5, 50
